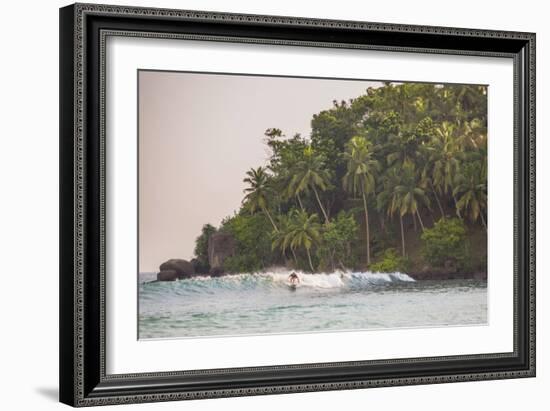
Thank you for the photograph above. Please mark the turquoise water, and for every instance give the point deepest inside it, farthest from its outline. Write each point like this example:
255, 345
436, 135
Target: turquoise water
263, 303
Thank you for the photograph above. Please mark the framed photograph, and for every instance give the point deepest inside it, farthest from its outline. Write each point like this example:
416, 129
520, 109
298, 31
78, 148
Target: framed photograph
262, 204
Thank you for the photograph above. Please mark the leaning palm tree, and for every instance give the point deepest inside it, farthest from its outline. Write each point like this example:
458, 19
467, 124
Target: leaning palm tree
310, 173
359, 178
406, 198
471, 190
304, 232
286, 177
258, 192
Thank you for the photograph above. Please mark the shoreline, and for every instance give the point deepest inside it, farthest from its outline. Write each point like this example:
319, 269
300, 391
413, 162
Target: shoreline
433, 275
416, 275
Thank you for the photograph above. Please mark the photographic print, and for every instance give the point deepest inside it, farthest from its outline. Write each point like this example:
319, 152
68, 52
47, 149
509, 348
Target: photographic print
272, 204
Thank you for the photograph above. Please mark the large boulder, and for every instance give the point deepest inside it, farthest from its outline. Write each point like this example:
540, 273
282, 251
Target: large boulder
220, 246
167, 275
216, 272
201, 267
183, 268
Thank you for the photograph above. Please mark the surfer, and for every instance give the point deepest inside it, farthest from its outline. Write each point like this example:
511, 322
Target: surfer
293, 279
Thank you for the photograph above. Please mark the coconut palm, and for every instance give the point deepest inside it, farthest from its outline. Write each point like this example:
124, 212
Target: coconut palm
281, 239
405, 148
389, 179
473, 135
445, 153
445, 157
427, 181
471, 191
406, 198
359, 178
286, 177
304, 232
258, 192
310, 173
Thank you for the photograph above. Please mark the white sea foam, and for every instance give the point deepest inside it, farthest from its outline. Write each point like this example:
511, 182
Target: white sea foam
279, 276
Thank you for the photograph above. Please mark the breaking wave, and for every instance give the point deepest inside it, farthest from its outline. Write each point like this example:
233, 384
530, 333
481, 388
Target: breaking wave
279, 278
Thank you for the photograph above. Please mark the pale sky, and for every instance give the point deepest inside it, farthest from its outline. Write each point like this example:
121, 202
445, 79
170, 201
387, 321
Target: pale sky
199, 134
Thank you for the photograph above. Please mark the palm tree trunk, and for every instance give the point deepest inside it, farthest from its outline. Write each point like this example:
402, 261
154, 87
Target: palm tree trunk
367, 227
420, 219
437, 201
300, 201
382, 222
294, 255
333, 266
402, 235
309, 259
456, 207
320, 204
270, 219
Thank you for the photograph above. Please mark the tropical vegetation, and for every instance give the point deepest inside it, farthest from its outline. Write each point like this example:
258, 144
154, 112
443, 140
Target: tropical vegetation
394, 178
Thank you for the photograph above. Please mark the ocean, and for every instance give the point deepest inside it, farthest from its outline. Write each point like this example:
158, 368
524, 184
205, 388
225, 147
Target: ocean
263, 303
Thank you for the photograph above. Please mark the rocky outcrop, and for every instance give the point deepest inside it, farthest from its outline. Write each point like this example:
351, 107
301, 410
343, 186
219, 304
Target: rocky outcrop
220, 246
167, 275
175, 269
449, 271
201, 267
216, 272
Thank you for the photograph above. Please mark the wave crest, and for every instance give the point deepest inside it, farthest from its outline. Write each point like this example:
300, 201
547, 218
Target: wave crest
279, 278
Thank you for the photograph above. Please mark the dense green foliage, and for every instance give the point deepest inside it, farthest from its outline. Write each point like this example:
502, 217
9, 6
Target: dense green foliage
390, 262
252, 233
400, 155
445, 243
337, 248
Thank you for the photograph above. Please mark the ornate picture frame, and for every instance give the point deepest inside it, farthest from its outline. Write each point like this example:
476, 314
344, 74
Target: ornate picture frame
84, 30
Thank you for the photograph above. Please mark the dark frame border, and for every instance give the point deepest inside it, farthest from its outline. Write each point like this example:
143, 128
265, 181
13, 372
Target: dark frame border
83, 31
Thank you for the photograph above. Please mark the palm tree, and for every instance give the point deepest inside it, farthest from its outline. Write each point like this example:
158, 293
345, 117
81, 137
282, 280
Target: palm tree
258, 192
389, 180
281, 239
445, 156
286, 176
426, 163
473, 135
359, 178
310, 173
304, 231
406, 198
471, 190
426, 181
388, 198
406, 148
